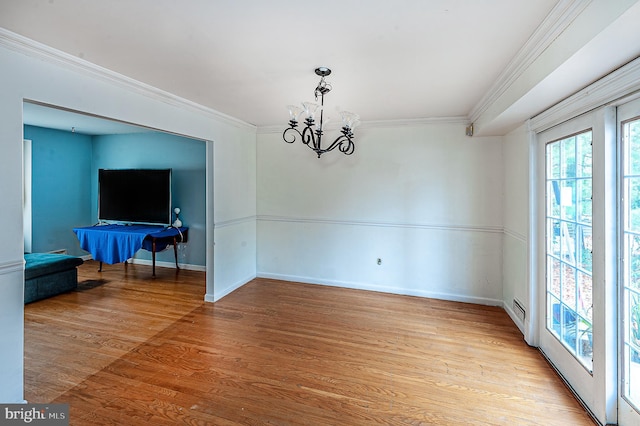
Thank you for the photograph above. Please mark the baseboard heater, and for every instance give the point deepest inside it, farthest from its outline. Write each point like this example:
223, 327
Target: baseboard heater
518, 309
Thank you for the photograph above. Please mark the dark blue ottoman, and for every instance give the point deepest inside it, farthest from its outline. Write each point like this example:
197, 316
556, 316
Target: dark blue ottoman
49, 274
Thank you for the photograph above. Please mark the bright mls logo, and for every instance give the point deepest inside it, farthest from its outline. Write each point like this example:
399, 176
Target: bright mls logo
34, 414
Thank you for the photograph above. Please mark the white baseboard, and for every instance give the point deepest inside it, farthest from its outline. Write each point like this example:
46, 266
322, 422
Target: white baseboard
386, 289
217, 295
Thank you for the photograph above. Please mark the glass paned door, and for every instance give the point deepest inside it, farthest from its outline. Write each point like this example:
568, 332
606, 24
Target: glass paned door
631, 259
568, 216
574, 289
629, 265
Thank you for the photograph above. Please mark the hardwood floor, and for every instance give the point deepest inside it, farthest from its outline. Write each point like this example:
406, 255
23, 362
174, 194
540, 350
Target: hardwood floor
125, 349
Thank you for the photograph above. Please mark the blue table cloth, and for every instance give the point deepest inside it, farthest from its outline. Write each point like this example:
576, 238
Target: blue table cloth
119, 243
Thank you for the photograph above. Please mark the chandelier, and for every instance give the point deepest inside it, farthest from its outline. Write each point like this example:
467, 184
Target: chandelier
312, 133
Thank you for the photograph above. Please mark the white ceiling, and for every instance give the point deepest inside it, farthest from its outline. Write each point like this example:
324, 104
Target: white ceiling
400, 59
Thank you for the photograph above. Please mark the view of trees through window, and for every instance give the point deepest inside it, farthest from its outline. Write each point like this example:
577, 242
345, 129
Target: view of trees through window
569, 244
631, 258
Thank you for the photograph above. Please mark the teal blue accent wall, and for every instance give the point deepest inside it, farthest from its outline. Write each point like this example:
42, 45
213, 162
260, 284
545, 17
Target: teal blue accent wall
187, 159
65, 184
61, 188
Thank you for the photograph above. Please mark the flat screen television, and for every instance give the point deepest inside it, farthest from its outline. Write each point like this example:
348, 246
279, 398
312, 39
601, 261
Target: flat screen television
134, 196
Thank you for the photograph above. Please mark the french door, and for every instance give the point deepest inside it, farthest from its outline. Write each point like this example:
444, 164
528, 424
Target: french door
575, 296
629, 266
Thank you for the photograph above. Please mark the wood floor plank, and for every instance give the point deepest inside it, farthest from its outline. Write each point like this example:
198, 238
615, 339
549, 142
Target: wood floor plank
128, 349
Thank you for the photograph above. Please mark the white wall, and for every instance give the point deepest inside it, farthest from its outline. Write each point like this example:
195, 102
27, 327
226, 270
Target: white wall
32, 71
516, 222
425, 198
235, 212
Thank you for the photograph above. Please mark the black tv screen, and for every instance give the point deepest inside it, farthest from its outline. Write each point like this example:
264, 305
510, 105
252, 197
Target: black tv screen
134, 195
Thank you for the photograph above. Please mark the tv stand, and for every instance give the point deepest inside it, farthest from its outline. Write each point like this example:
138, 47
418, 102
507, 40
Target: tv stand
118, 243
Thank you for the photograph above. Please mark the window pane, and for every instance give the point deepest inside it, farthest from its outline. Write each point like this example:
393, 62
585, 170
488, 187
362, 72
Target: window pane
568, 285
569, 244
568, 199
568, 159
553, 161
553, 237
554, 277
633, 204
584, 160
553, 199
584, 248
584, 339
569, 326
584, 296
553, 308
631, 260
634, 319
584, 207
632, 151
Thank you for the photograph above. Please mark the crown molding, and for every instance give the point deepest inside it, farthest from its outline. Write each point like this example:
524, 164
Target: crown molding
560, 17
411, 122
622, 85
34, 49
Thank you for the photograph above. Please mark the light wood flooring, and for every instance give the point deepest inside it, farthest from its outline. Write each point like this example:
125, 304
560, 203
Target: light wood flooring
126, 349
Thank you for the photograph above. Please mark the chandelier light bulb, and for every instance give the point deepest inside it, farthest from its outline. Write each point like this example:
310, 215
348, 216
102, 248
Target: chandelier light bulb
310, 109
294, 112
349, 118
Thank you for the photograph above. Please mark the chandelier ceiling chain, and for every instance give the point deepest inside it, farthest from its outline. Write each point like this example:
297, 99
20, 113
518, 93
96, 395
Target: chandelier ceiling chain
312, 133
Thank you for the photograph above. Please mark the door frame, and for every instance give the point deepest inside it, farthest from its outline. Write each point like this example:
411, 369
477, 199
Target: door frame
598, 390
627, 414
